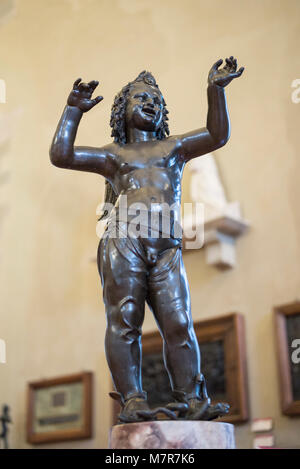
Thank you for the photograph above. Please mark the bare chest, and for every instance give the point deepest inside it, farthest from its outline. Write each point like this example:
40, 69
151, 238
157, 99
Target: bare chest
147, 155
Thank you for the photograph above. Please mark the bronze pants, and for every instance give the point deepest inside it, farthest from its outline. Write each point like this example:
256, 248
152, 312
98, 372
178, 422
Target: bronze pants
130, 277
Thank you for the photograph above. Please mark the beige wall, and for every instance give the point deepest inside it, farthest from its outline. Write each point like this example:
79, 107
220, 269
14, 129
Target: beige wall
52, 315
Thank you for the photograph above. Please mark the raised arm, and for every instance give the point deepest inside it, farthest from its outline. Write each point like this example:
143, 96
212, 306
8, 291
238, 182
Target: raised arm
217, 130
62, 151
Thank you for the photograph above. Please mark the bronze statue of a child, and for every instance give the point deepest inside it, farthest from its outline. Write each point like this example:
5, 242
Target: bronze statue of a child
145, 165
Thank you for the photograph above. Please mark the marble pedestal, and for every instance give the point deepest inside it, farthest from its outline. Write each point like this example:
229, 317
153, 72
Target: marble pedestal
178, 434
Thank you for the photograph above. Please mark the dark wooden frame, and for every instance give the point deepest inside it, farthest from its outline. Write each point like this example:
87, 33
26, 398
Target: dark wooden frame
231, 329
288, 405
63, 435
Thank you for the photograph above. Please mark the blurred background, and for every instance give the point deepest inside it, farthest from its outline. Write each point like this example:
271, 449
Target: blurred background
52, 315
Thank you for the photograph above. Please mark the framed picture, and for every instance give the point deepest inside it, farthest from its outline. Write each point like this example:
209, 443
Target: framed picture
222, 346
287, 331
60, 409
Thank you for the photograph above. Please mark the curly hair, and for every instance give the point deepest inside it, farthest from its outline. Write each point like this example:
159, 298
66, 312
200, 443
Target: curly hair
117, 120
118, 125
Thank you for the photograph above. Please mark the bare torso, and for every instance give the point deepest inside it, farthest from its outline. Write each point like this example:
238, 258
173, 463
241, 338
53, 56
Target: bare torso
148, 172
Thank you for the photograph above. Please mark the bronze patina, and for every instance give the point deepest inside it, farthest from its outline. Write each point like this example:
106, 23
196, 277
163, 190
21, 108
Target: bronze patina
144, 165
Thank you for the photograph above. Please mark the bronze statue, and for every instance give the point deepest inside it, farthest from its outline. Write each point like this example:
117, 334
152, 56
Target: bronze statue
5, 420
144, 166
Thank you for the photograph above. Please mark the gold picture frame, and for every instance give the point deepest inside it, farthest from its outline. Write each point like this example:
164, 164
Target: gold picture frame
60, 409
287, 329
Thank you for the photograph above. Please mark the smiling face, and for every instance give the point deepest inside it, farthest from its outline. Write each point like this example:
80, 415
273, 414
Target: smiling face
144, 109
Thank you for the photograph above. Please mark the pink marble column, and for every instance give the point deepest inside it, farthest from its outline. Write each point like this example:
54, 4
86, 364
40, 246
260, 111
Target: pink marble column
165, 434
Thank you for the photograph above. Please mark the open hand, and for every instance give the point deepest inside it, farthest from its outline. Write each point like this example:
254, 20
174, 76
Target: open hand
81, 95
223, 76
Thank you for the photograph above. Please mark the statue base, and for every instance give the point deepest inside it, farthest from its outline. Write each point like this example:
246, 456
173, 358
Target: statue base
166, 434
